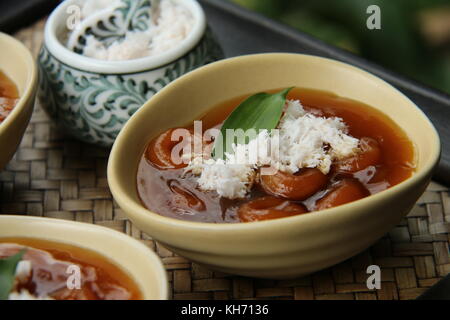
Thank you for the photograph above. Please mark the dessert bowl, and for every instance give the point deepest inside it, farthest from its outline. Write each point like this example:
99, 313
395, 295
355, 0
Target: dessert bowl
92, 98
287, 247
134, 258
18, 64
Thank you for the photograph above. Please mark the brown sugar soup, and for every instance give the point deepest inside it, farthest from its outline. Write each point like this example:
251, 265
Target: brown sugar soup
44, 270
8, 96
332, 150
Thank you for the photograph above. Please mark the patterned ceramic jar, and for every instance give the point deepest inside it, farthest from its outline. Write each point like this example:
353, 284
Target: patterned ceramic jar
92, 99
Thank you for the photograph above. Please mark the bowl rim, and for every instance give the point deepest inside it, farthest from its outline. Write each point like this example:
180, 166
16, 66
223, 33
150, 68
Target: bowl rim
30, 84
80, 62
153, 259
134, 209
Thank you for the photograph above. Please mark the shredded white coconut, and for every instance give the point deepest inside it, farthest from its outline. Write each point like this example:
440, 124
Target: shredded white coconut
310, 141
304, 140
227, 179
23, 271
172, 26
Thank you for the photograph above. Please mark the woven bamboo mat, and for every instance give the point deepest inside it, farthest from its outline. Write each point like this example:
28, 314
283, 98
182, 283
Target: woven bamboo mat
55, 176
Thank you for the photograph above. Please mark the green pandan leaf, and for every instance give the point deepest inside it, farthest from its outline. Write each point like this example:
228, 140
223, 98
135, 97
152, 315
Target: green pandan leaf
7, 273
261, 111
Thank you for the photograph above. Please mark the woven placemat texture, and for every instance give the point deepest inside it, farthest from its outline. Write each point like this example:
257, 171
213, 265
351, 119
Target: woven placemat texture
54, 176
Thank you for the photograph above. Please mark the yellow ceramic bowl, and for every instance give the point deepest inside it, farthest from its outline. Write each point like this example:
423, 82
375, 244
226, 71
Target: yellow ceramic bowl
287, 247
133, 257
18, 64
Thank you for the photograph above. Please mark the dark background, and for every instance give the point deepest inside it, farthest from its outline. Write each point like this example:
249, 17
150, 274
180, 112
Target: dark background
414, 38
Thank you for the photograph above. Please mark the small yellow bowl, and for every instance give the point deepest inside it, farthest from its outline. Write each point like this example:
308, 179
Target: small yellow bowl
288, 247
139, 262
18, 64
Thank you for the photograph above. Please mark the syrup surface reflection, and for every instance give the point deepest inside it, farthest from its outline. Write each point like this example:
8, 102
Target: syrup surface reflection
386, 159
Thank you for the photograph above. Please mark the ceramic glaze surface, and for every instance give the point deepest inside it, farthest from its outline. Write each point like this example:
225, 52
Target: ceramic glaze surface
92, 99
94, 107
279, 248
135, 259
18, 64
